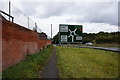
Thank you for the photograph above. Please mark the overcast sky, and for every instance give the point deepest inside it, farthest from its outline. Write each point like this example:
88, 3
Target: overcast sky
94, 15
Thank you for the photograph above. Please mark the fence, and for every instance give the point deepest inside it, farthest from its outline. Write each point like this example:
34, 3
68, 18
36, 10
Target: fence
12, 13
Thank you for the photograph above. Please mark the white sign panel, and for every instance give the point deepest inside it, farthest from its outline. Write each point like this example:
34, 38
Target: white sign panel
78, 38
63, 28
63, 38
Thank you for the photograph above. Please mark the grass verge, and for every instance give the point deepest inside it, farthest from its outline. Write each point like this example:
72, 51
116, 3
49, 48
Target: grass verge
30, 67
86, 63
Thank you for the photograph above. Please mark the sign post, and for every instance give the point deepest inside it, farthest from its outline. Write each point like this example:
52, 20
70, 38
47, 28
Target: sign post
70, 33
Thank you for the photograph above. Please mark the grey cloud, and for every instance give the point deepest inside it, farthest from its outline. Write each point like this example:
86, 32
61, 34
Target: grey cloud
94, 12
98, 13
55, 8
29, 7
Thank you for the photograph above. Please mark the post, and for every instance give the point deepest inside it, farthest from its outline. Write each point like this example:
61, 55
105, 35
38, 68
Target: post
51, 31
36, 26
9, 10
28, 22
59, 34
12, 19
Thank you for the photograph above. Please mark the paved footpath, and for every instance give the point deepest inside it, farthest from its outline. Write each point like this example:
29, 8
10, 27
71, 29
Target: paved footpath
50, 70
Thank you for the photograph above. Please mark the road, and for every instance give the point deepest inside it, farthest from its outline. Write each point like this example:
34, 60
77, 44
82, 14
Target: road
100, 48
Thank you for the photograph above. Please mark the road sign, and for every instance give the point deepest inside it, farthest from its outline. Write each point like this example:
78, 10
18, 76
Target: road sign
70, 33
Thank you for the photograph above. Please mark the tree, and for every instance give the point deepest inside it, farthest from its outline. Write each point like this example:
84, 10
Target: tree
55, 39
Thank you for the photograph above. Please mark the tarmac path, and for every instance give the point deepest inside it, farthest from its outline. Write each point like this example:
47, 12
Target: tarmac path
50, 70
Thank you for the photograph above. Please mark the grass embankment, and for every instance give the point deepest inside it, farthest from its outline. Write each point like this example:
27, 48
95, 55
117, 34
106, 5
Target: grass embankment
30, 67
86, 63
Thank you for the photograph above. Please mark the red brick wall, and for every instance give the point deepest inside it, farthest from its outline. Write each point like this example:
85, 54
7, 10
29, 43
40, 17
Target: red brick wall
0, 46
17, 42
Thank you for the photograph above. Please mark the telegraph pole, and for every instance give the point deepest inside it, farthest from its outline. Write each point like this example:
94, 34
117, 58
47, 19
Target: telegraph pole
51, 31
28, 22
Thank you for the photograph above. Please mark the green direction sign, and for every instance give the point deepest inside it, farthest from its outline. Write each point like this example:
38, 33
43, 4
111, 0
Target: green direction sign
70, 33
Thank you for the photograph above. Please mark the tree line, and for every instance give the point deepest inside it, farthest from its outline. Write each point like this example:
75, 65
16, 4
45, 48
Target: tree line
101, 37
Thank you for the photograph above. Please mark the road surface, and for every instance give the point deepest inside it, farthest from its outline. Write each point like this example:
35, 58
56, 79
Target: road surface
100, 48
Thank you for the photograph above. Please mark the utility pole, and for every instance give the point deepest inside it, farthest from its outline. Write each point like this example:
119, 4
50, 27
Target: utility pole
9, 10
51, 31
28, 22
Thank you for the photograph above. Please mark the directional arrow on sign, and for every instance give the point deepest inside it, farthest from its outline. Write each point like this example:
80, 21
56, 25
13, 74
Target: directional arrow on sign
72, 33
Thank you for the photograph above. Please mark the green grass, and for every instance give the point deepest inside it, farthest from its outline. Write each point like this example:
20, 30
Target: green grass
86, 63
30, 67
